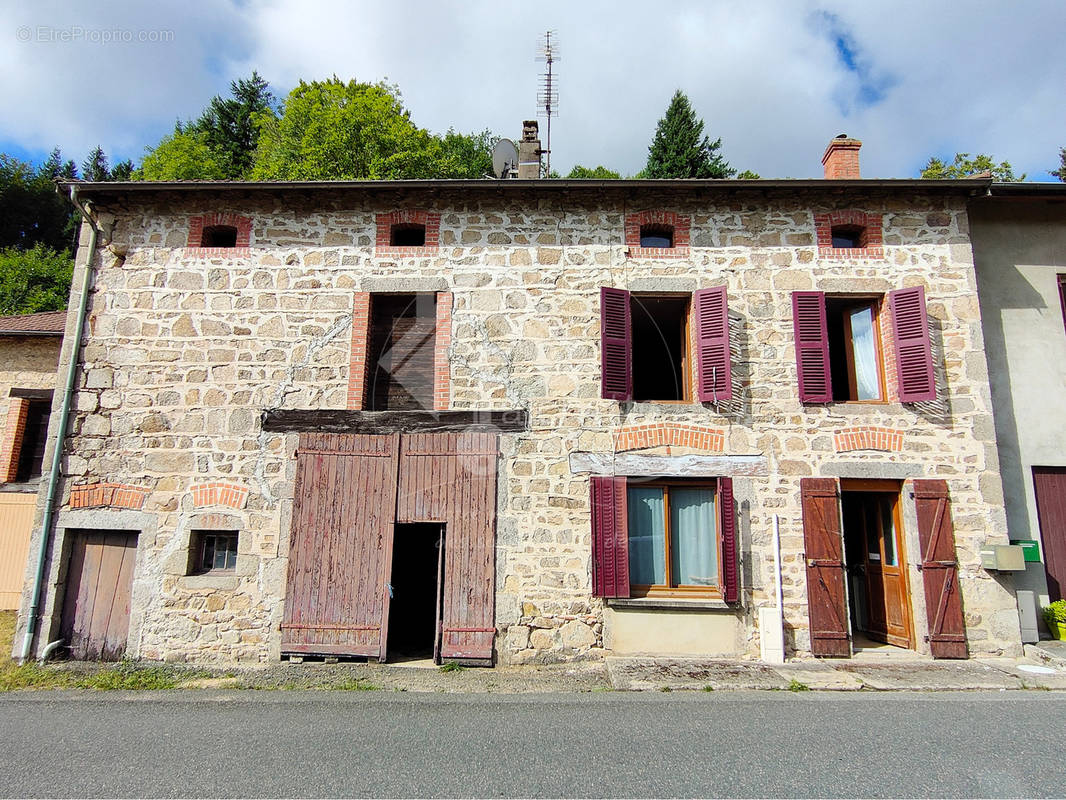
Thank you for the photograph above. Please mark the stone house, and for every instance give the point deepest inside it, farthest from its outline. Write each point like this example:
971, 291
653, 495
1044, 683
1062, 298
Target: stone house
519, 421
29, 353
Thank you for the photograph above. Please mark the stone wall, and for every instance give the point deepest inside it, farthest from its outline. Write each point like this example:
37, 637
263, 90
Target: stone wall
187, 350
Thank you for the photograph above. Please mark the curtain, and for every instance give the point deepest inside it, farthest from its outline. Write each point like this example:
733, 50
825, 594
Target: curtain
865, 354
647, 536
694, 543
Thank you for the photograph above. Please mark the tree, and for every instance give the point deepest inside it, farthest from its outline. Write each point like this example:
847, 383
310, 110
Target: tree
31, 211
228, 125
33, 280
964, 167
596, 173
95, 167
748, 175
182, 156
122, 171
1060, 173
680, 149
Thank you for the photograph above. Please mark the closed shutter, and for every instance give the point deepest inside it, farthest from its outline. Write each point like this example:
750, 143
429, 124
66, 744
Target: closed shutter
812, 347
714, 376
823, 546
610, 538
940, 571
914, 354
727, 516
616, 345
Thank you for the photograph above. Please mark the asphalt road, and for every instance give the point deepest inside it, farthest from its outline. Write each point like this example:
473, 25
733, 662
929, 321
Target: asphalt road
310, 744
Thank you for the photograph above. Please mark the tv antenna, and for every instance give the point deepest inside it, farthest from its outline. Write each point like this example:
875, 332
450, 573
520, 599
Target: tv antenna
548, 94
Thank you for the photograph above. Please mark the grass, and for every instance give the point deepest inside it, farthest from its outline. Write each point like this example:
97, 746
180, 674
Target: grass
798, 686
125, 675
7, 636
451, 666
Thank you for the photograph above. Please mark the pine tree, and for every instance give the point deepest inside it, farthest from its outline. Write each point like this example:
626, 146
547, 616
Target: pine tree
228, 125
681, 150
1060, 173
95, 167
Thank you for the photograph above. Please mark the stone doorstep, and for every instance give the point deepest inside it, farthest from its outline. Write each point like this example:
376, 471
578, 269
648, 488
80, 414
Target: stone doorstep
932, 676
1050, 651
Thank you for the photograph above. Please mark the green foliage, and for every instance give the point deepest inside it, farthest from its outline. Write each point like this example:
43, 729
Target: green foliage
332, 130
33, 280
597, 173
748, 175
1055, 613
965, 167
798, 686
228, 125
680, 149
122, 171
31, 211
182, 156
451, 666
1060, 173
127, 675
95, 167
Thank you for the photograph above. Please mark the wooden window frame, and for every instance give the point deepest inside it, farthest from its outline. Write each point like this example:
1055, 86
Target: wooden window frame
688, 396
198, 546
876, 303
666, 590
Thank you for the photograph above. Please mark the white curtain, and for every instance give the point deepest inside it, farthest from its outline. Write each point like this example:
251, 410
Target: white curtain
865, 354
694, 544
647, 537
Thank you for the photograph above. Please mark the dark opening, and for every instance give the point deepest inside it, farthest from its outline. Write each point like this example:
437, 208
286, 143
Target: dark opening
31, 453
416, 591
408, 235
872, 557
659, 347
403, 331
852, 513
219, 236
212, 551
656, 236
848, 236
854, 355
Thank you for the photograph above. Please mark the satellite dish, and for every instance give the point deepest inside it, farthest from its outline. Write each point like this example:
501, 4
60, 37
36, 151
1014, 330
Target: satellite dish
504, 159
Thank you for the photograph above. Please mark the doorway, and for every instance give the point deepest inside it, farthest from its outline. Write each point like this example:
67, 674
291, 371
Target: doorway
96, 610
416, 592
878, 596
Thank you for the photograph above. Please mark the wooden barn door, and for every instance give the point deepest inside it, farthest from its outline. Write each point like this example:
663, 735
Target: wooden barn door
824, 553
96, 609
343, 516
451, 478
1050, 485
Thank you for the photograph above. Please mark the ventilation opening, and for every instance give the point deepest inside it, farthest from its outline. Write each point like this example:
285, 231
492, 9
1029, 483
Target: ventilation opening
416, 592
656, 236
407, 235
403, 329
848, 237
219, 236
660, 334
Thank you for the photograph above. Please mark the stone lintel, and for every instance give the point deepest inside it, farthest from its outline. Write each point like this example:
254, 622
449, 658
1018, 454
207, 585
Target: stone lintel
871, 470
662, 284
108, 519
412, 285
696, 466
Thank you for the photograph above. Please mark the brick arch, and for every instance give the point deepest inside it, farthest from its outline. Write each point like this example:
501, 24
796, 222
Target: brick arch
868, 437
641, 437
108, 495
407, 216
681, 225
196, 233
873, 239
231, 495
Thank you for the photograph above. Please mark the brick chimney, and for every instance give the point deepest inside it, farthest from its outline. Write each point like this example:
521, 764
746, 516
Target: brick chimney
529, 151
841, 159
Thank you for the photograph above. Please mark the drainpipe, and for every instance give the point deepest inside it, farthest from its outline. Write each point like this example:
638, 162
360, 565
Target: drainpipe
64, 419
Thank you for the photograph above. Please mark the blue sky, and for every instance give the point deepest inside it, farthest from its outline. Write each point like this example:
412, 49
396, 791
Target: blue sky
776, 80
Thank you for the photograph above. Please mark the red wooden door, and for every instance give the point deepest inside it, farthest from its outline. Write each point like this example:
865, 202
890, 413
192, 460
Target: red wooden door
451, 478
940, 571
1050, 485
343, 515
96, 609
823, 545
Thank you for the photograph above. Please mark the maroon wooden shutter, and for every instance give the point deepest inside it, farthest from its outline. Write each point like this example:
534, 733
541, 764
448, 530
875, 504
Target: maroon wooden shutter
940, 571
914, 355
713, 368
1050, 486
616, 345
812, 347
610, 537
727, 516
825, 567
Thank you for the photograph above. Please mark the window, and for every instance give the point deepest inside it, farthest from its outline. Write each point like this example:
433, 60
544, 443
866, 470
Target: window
647, 350
219, 236
407, 235
838, 346
848, 236
663, 537
656, 236
212, 551
401, 352
25, 434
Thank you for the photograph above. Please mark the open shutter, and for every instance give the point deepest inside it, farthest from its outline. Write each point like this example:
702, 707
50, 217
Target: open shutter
812, 347
823, 546
610, 539
714, 375
616, 345
914, 355
940, 571
727, 525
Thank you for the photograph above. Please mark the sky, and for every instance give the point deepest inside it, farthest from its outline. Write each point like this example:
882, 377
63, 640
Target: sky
775, 79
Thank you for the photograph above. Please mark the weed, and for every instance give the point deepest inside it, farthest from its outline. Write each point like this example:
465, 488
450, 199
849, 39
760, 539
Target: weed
665, 689
32, 676
708, 688
129, 676
451, 666
798, 686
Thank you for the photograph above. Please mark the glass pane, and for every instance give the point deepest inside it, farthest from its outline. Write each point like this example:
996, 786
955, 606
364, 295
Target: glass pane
867, 384
220, 552
647, 537
888, 525
693, 543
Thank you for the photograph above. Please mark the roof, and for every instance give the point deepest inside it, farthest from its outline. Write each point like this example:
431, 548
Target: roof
44, 323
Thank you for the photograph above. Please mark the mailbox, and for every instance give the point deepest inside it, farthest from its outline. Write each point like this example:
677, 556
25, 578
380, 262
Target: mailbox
1003, 558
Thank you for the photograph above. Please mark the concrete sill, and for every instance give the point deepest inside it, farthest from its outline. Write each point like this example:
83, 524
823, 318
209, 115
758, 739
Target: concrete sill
669, 604
225, 582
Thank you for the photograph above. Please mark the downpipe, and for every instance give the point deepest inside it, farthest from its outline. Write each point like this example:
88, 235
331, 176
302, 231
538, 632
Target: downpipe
51, 648
61, 435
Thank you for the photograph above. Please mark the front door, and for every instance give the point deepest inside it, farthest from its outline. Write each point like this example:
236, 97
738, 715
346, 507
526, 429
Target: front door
1050, 485
96, 609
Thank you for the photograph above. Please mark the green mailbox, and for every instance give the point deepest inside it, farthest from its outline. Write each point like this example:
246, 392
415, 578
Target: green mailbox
1030, 547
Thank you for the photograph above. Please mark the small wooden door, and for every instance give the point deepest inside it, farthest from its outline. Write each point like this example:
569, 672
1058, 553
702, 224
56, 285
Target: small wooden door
1050, 485
823, 546
96, 610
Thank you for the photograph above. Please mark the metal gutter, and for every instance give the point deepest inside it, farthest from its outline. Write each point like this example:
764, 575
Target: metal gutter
1023, 189
61, 431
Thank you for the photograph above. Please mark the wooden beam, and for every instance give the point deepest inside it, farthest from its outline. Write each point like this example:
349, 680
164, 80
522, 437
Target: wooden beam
694, 466
343, 421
